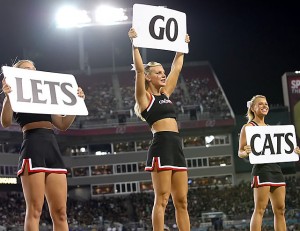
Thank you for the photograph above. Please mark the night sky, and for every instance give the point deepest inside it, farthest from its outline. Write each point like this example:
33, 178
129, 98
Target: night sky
250, 44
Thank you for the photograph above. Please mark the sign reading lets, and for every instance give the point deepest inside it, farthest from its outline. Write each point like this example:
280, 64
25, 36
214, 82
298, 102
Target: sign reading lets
159, 28
43, 92
271, 144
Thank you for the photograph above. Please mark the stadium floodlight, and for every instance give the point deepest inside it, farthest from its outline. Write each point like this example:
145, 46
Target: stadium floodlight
107, 15
70, 16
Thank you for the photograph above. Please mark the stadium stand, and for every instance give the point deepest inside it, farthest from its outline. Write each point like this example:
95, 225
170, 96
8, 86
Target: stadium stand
105, 153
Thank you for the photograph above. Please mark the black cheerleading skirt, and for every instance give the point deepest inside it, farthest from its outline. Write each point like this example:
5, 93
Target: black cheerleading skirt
166, 152
274, 179
269, 174
40, 152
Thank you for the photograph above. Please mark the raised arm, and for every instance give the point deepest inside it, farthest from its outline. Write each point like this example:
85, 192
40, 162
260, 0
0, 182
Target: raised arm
140, 89
7, 112
175, 70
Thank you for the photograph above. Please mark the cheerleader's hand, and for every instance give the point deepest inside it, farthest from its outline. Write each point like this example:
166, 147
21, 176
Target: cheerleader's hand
5, 87
297, 150
80, 93
247, 149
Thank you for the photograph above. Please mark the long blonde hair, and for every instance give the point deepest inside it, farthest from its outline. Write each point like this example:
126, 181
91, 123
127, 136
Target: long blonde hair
20, 62
250, 115
147, 67
137, 111
147, 71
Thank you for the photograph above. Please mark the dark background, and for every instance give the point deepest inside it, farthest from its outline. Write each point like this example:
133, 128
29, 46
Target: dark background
250, 44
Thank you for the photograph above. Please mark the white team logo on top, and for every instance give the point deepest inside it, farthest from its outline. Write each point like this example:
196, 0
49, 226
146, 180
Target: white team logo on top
163, 101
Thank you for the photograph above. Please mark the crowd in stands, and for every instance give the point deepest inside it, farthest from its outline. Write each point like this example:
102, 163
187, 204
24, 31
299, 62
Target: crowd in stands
112, 101
100, 101
196, 91
105, 213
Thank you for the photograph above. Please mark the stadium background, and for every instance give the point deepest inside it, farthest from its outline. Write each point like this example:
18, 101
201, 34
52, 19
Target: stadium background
105, 151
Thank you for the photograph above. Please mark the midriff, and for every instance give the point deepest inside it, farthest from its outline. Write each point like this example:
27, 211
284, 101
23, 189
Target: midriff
167, 124
39, 124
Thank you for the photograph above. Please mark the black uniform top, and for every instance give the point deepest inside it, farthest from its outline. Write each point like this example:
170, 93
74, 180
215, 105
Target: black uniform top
261, 168
160, 107
25, 118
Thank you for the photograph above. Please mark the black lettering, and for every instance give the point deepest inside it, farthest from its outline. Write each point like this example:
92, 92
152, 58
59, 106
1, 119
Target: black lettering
20, 96
252, 144
52, 91
289, 143
72, 97
168, 29
268, 145
36, 91
278, 136
160, 36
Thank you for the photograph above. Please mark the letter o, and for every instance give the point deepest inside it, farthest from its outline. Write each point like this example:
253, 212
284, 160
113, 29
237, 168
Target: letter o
168, 29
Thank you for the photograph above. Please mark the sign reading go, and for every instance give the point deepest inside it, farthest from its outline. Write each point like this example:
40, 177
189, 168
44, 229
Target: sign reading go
158, 27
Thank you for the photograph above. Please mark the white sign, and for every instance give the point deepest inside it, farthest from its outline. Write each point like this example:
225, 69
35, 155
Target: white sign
8, 180
271, 144
159, 28
43, 92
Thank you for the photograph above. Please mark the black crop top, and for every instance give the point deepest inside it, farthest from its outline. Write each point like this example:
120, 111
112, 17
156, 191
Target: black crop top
160, 107
25, 118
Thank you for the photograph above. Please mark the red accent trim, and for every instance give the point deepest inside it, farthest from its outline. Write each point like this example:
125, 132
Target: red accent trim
155, 162
151, 97
30, 170
255, 183
270, 184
